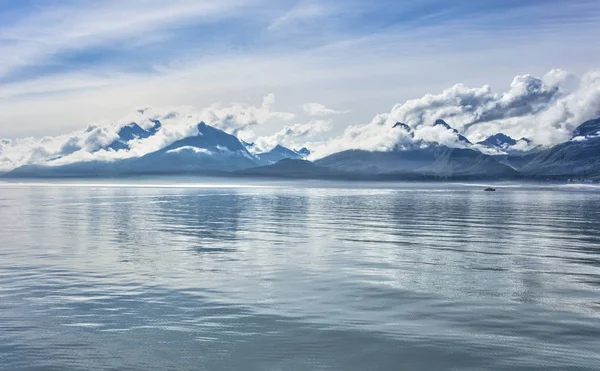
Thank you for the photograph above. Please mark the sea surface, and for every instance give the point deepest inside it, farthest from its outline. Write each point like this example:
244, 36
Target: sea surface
194, 275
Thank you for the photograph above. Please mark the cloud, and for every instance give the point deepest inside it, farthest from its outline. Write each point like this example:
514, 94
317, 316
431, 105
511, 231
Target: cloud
56, 27
464, 107
303, 13
238, 118
378, 135
82, 61
545, 110
177, 122
317, 109
542, 109
293, 136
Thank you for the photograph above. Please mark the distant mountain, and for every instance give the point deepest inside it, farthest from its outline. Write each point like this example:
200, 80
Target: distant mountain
436, 161
289, 168
588, 129
403, 126
578, 158
304, 152
499, 140
130, 132
505, 144
210, 151
573, 159
215, 152
461, 138
277, 154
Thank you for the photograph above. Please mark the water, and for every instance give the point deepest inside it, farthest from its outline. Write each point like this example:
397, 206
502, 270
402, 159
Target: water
321, 276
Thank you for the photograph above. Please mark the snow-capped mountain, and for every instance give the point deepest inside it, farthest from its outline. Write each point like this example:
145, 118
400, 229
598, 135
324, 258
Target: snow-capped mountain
461, 138
588, 129
277, 154
504, 144
130, 132
208, 150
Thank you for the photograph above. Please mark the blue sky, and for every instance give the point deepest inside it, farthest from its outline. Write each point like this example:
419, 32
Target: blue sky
68, 63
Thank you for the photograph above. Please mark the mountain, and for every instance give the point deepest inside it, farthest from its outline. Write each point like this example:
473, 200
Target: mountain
277, 154
130, 132
433, 161
304, 152
444, 124
573, 159
209, 151
499, 141
578, 158
588, 129
402, 125
504, 144
290, 168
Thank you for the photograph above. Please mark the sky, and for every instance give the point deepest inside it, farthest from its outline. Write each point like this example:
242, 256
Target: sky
329, 64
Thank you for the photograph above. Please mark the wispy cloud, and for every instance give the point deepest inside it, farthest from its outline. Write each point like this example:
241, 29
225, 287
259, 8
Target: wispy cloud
302, 14
67, 63
75, 26
317, 109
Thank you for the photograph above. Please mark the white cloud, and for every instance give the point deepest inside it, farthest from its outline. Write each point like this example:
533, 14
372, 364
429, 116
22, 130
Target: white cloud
57, 27
331, 61
317, 109
293, 136
378, 135
238, 118
177, 123
301, 14
543, 110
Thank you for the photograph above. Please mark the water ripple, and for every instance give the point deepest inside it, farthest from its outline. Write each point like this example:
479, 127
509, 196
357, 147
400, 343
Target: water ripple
328, 277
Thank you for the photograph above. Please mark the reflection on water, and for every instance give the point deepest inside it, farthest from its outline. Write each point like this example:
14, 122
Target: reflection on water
280, 277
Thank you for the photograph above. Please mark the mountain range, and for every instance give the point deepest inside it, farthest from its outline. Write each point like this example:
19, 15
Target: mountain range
212, 151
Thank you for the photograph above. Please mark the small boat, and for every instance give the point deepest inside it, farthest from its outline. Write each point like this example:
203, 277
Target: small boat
490, 189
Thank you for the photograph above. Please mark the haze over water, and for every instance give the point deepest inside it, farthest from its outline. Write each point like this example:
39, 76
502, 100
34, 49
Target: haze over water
316, 276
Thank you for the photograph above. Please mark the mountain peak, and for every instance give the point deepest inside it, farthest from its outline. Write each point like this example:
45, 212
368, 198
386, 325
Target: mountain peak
132, 131
461, 138
498, 140
304, 152
440, 122
277, 154
402, 125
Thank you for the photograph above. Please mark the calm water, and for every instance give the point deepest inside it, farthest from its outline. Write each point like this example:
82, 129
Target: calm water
321, 277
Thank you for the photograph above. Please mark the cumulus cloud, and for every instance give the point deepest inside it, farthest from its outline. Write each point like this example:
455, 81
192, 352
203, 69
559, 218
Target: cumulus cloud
238, 118
293, 136
94, 143
317, 109
545, 110
378, 135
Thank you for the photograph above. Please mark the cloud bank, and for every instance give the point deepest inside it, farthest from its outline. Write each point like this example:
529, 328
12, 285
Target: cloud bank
93, 143
317, 109
294, 136
544, 109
